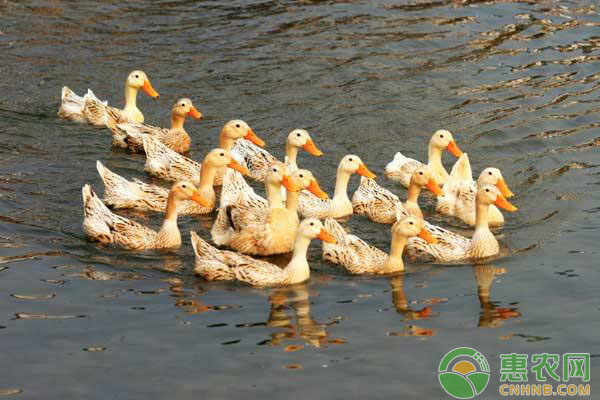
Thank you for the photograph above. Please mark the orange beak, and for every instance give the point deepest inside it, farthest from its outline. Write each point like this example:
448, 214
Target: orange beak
200, 200
505, 204
251, 136
240, 168
504, 188
149, 89
327, 237
364, 171
194, 113
312, 149
315, 189
453, 148
289, 185
426, 236
433, 187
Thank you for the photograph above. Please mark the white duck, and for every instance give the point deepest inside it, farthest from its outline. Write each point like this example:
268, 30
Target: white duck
401, 168
452, 247
458, 199
340, 205
166, 164
358, 257
214, 264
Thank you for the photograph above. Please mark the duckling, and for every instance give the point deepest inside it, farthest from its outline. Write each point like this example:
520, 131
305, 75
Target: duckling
382, 206
129, 135
358, 257
401, 168
452, 247
166, 164
214, 264
340, 205
122, 193
100, 224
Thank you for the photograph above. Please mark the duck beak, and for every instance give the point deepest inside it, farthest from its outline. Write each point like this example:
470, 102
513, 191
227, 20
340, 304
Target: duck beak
453, 148
505, 204
501, 184
240, 168
315, 189
150, 90
326, 236
433, 187
197, 197
289, 185
251, 136
426, 236
194, 113
312, 149
364, 171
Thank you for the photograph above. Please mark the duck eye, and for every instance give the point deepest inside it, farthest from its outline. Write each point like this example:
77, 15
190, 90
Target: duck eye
411, 223
137, 76
183, 186
312, 224
442, 136
237, 125
274, 169
182, 104
420, 173
222, 154
487, 190
297, 134
489, 173
301, 176
350, 159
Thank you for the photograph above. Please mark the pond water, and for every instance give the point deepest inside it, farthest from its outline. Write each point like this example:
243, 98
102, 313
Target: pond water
516, 82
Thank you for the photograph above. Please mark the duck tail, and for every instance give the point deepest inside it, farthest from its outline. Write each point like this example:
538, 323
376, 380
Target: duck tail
334, 227
461, 171
202, 248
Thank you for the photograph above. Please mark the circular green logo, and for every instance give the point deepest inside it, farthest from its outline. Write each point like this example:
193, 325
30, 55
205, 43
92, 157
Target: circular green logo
464, 373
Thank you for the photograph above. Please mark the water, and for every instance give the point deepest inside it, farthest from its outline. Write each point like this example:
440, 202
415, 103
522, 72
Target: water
515, 81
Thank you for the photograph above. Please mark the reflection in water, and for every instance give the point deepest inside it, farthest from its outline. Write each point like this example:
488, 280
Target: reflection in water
290, 315
491, 315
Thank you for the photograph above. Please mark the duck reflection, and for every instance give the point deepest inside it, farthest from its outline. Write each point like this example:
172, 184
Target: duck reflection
401, 303
290, 313
491, 315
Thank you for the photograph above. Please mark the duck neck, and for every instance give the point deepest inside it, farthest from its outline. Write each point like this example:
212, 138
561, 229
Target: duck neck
291, 201
170, 212
298, 268
435, 156
274, 195
130, 98
225, 142
291, 153
481, 217
207, 177
395, 258
177, 121
341, 185
412, 198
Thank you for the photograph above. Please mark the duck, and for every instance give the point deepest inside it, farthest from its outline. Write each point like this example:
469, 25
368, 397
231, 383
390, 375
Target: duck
122, 193
169, 165
94, 111
101, 225
249, 228
223, 265
129, 135
458, 199
358, 257
257, 160
452, 247
382, 206
340, 205
401, 167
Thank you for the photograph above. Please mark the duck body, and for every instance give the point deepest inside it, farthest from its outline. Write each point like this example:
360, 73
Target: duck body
214, 264
100, 114
100, 224
358, 257
340, 205
401, 167
129, 135
452, 247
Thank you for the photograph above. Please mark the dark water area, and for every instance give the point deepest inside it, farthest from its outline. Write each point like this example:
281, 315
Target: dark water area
516, 82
